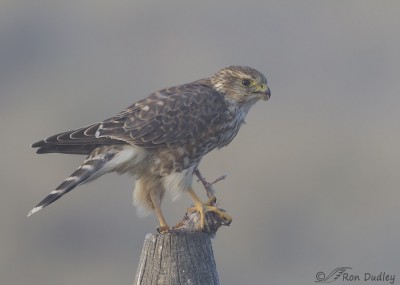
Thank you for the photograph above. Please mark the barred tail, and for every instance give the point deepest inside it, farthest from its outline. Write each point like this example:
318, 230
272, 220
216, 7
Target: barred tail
89, 170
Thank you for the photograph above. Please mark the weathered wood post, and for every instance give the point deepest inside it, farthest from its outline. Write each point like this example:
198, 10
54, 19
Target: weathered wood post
177, 258
183, 255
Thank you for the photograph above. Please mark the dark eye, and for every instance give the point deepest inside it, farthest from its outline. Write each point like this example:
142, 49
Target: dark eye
246, 82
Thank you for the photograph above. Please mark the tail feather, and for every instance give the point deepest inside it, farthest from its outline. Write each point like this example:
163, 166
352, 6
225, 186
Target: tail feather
86, 172
120, 158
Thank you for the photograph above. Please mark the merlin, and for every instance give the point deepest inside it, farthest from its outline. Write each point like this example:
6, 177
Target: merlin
161, 139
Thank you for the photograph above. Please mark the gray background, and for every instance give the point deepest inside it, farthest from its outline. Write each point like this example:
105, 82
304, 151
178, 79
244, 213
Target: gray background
313, 177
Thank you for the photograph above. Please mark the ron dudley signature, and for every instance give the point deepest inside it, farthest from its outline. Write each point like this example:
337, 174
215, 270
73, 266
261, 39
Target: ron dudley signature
344, 274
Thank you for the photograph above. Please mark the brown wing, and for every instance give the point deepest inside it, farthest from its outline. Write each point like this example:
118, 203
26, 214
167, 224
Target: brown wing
80, 141
171, 117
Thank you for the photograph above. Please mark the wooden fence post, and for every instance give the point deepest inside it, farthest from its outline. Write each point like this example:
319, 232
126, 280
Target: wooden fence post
183, 255
177, 258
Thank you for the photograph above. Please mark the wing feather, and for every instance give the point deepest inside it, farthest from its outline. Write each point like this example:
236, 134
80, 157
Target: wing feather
168, 118
171, 117
80, 141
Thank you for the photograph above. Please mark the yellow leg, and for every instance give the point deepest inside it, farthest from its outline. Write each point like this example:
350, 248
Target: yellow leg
163, 223
203, 208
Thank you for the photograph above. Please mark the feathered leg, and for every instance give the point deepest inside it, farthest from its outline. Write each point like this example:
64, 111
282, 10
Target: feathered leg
147, 197
156, 198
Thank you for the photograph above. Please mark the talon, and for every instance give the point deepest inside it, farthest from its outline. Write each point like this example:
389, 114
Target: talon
191, 209
203, 208
211, 201
227, 220
163, 229
178, 225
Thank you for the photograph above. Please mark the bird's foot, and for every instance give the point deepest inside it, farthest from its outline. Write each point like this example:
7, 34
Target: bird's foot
209, 206
212, 201
163, 229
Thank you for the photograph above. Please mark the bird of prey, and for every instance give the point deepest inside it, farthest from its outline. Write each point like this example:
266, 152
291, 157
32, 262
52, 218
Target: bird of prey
161, 139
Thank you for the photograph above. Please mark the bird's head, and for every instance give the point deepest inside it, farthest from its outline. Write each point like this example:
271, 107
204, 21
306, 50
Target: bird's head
241, 84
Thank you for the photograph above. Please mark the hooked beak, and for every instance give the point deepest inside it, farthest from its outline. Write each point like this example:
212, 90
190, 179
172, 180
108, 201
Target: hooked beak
264, 93
267, 94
